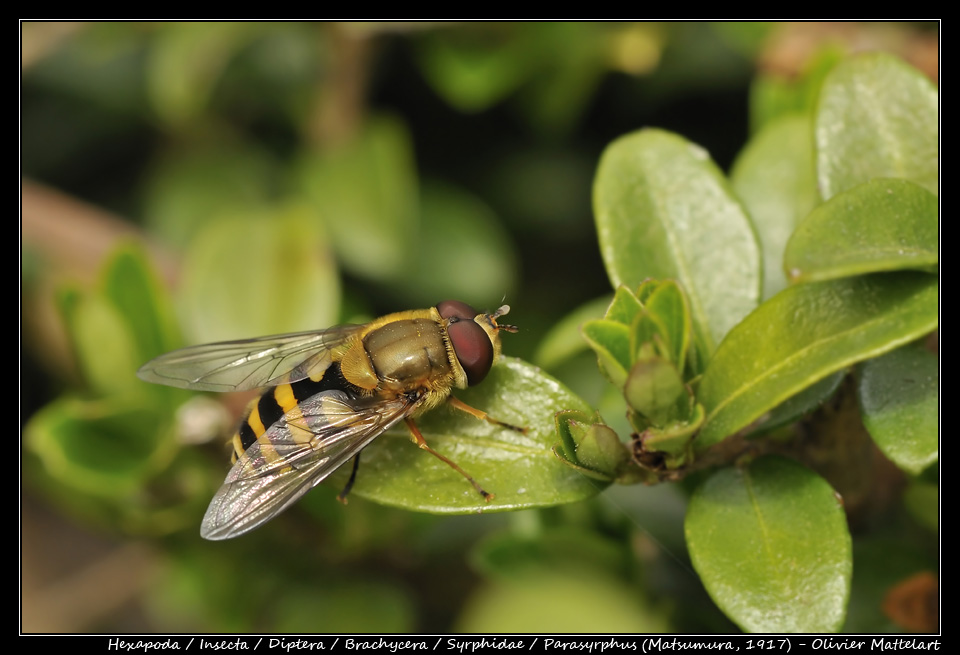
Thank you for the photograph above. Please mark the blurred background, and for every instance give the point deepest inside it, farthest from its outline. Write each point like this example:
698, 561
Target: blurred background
192, 182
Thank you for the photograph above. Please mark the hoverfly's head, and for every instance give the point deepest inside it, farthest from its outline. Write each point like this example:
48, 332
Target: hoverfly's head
474, 336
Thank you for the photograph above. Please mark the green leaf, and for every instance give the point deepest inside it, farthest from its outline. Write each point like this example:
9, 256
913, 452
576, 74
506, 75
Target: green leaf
365, 190
881, 225
611, 341
664, 210
101, 447
899, 395
131, 285
646, 289
104, 345
775, 178
259, 274
669, 304
625, 305
771, 545
647, 337
877, 117
520, 469
805, 333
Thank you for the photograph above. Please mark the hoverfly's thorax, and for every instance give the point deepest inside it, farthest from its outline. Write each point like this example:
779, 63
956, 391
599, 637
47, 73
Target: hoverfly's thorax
408, 354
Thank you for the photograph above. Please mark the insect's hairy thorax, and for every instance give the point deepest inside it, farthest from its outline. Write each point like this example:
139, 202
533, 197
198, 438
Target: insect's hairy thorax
403, 356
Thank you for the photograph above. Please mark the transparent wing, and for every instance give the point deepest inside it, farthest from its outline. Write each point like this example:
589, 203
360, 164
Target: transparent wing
298, 452
249, 363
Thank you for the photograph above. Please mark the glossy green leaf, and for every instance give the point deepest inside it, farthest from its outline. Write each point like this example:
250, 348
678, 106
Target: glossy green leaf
882, 225
521, 470
876, 117
259, 274
771, 545
805, 333
664, 210
899, 399
775, 178
365, 191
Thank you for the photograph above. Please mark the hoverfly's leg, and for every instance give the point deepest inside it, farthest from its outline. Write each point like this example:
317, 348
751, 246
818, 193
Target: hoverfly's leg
480, 414
342, 496
415, 431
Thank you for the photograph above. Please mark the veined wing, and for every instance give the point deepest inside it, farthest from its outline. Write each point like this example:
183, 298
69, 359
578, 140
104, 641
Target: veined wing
298, 452
249, 363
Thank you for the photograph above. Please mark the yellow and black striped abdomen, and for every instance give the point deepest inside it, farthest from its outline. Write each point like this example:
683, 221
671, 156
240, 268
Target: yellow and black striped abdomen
276, 402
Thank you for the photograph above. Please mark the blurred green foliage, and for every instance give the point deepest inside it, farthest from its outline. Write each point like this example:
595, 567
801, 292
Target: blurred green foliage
304, 174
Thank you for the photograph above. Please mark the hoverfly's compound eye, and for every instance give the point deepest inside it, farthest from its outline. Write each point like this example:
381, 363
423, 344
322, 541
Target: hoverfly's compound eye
456, 309
470, 342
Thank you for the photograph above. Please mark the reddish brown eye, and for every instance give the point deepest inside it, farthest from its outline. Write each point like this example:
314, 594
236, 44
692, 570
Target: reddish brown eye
473, 348
456, 309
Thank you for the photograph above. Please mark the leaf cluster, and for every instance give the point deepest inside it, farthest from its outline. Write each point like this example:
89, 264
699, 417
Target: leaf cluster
710, 357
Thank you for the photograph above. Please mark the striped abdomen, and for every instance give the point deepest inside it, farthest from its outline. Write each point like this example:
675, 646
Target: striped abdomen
269, 408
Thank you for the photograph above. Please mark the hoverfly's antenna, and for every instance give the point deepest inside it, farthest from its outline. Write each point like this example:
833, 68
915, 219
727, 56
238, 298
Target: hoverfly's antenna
503, 311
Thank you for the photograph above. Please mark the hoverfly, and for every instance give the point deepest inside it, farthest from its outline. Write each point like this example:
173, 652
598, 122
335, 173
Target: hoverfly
329, 394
